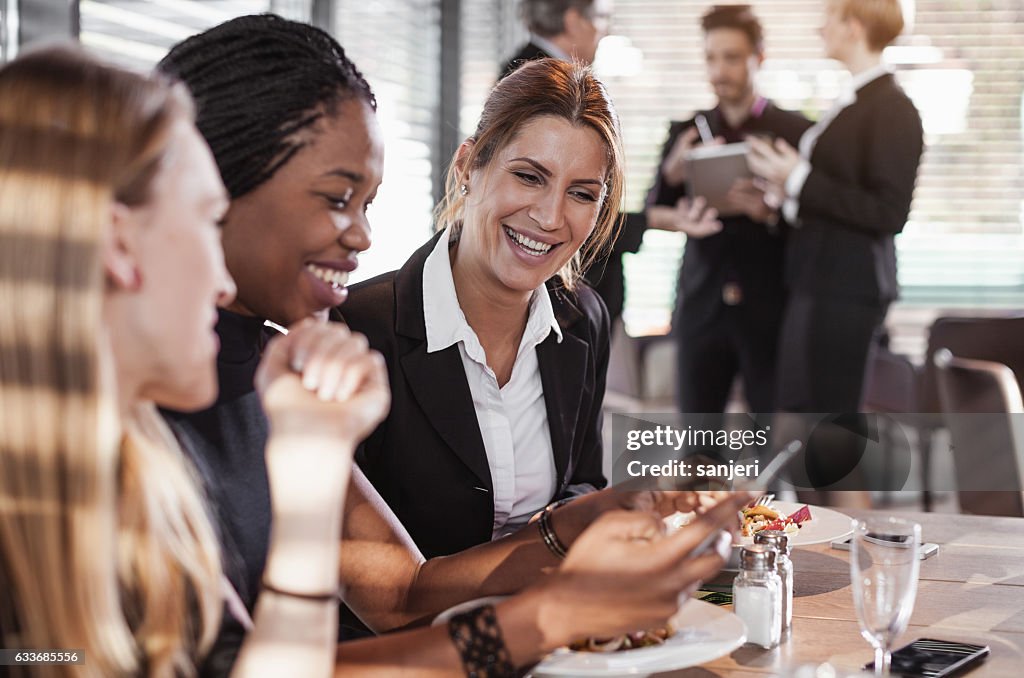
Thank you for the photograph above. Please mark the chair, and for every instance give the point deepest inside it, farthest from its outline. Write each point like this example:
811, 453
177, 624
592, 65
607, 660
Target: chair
979, 399
998, 339
994, 338
892, 387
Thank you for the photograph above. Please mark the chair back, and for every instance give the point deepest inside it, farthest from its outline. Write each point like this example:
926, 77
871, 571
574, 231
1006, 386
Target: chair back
979, 400
998, 339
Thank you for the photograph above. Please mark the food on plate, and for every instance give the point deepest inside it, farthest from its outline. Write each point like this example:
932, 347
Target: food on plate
757, 518
628, 641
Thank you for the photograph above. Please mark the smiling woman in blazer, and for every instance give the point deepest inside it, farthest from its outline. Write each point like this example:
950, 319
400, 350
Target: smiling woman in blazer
496, 351
848, 192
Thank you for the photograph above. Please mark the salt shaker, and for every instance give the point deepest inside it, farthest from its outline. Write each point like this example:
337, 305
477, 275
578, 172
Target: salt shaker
757, 596
779, 541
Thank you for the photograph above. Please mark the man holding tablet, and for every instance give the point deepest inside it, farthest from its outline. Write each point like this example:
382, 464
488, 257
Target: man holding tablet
731, 295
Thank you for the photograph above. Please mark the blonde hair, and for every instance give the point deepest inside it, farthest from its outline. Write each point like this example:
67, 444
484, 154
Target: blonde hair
882, 19
105, 545
547, 87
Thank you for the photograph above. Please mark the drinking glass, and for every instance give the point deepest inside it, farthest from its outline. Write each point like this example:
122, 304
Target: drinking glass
883, 570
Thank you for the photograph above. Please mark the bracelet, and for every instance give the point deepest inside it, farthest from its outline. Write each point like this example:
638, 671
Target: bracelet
477, 637
547, 533
329, 597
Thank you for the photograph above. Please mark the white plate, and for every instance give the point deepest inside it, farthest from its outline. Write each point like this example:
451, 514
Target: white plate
825, 525
704, 632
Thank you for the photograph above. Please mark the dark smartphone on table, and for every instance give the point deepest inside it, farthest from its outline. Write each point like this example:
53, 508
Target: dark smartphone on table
930, 658
925, 550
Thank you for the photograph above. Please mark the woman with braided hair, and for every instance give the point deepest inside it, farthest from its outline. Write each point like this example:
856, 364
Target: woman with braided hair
291, 123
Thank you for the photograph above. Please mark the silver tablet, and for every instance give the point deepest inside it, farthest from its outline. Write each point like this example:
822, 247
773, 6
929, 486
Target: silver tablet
712, 170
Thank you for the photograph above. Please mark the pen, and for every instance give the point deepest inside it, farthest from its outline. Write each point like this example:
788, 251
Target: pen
704, 129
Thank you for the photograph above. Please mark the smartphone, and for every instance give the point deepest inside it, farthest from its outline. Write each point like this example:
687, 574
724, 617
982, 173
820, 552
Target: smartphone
900, 540
925, 550
934, 658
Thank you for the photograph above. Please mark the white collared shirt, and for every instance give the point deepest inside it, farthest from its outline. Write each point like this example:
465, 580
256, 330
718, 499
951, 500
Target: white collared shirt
798, 177
513, 419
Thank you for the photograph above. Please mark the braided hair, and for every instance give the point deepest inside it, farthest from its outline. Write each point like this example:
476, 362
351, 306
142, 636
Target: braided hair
257, 81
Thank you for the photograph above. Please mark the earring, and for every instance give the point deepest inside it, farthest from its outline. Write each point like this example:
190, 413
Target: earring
464, 190
136, 279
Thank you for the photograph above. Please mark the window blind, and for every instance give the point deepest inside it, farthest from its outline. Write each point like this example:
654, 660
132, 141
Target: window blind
136, 34
396, 44
7, 8
491, 34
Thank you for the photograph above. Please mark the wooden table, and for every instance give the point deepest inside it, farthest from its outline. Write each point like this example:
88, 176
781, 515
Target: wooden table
971, 591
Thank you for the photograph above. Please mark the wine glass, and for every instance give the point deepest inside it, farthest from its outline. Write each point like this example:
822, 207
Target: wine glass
883, 570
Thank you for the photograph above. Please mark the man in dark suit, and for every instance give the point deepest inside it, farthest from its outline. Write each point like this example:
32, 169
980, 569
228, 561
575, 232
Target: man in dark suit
731, 294
562, 29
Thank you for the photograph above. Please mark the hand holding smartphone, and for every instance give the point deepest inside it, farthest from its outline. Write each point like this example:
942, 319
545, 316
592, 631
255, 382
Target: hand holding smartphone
758, 485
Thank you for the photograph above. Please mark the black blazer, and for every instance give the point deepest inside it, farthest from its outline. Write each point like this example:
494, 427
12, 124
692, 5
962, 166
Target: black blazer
857, 197
528, 52
427, 459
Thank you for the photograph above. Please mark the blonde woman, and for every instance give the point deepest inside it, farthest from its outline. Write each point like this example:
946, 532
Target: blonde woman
110, 269
848, 189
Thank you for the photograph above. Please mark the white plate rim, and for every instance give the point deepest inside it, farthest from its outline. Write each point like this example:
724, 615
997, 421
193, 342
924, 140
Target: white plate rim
555, 663
817, 512
559, 662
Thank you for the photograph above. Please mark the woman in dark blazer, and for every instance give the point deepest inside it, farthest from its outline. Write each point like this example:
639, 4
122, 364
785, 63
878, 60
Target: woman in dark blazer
848, 191
496, 351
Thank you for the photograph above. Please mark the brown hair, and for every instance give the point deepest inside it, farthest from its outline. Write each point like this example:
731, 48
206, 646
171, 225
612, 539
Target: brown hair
105, 545
882, 19
736, 17
546, 87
